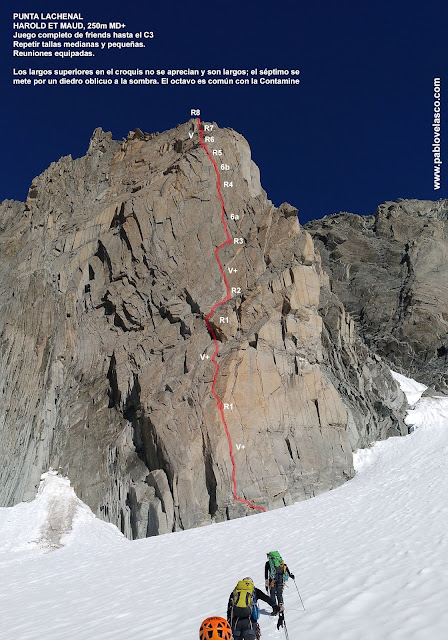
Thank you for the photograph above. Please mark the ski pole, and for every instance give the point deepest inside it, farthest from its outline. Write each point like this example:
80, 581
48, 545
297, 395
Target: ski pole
299, 595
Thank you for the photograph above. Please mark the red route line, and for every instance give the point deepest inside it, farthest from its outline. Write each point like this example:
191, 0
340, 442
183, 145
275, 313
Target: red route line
212, 311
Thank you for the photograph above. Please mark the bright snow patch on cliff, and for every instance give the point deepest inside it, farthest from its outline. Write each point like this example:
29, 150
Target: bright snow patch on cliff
370, 558
51, 521
411, 388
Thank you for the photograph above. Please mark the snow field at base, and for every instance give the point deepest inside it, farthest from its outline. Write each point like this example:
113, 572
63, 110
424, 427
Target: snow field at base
370, 558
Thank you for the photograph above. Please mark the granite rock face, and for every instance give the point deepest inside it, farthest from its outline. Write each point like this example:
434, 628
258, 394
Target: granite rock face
390, 271
108, 272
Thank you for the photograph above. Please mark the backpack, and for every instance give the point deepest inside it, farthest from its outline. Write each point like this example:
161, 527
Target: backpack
277, 568
243, 600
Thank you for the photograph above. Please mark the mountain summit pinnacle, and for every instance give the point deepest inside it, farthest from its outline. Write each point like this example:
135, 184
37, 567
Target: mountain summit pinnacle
109, 273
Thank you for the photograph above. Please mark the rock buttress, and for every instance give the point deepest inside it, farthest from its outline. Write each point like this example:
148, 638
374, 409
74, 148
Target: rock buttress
107, 273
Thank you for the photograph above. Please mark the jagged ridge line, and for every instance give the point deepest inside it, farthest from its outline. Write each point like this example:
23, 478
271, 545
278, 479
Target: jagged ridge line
212, 311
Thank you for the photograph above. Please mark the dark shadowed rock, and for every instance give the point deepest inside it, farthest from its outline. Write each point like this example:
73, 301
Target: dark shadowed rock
390, 271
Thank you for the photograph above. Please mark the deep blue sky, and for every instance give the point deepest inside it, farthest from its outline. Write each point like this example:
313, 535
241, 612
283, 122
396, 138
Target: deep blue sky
356, 131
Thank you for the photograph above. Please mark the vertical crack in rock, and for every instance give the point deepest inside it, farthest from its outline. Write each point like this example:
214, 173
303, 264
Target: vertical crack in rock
114, 391
210, 479
316, 404
104, 257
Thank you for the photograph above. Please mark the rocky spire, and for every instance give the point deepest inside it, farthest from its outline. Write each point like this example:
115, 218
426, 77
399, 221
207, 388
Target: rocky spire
108, 275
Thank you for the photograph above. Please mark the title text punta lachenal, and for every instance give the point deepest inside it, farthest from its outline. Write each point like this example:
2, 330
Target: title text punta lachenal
47, 20
47, 16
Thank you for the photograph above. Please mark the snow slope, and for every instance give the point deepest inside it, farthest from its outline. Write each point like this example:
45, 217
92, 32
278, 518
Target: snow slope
370, 558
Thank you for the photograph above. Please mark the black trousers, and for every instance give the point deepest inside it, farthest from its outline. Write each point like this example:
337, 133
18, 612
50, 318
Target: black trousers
276, 593
245, 628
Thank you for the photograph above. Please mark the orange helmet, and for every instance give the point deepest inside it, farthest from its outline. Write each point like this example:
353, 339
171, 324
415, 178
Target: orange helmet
215, 628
